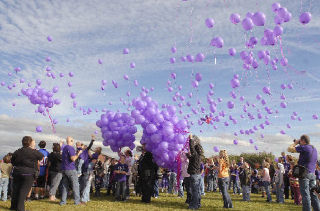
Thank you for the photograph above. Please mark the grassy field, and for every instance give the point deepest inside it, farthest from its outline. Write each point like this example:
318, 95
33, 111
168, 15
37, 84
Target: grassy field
211, 201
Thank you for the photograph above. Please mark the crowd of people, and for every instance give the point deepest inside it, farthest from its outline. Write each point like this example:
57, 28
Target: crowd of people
34, 174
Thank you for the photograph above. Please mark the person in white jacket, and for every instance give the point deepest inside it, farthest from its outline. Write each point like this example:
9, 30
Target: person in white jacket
279, 182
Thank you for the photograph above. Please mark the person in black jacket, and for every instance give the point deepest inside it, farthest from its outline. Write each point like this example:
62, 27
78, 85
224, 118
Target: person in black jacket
25, 161
195, 155
147, 171
55, 159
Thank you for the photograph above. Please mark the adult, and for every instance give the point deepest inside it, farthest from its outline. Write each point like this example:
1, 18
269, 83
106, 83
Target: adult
147, 174
86, 170
308, 159
43, 175
54, 165
195, 155
69, 173
223, 178
25, 162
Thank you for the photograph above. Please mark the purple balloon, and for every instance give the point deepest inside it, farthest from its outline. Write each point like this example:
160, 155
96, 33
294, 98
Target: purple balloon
198, 77
172, 60
277, 30
73, 95
278, 20
39, 129
284, 61
216, 149
230, 105
132, 65
305, 18
235, 142
71, 74
217, 42
173, 49
247, 24
55, 89
315, 116
49, 38
259, 19
125, 51
235, 18
200, 57
190, 58
99, 61
209, 22
282, 12
275, 6
126, 77
232, 51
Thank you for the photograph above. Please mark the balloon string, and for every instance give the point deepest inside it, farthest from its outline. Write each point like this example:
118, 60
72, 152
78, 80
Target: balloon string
280, 41
53, 129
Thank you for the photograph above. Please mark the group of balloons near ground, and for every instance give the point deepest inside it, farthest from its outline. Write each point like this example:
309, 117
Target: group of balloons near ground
165, 127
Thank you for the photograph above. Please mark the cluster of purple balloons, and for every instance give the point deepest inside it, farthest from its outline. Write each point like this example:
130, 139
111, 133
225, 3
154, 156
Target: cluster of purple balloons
40, 96
117, 130
163, 133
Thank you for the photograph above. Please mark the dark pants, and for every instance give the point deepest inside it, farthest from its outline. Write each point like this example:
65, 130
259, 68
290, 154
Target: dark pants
21, 186
127, 186
147, 188
194, 182
286, 186
223, 186
121, 190
186, 182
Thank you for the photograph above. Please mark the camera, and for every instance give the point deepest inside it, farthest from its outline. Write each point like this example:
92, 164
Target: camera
294, 140
315, 188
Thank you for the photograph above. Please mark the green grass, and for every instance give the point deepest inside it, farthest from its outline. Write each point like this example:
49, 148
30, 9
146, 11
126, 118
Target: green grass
211, 201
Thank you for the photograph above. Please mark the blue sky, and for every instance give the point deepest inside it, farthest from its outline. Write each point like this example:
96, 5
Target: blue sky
85, 31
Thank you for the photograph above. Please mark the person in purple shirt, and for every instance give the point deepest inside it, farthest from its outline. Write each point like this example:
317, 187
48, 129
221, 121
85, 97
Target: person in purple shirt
308, 158
69, 173
120, 171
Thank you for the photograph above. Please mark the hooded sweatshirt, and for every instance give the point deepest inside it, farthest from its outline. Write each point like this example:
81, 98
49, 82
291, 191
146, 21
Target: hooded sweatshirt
279, 174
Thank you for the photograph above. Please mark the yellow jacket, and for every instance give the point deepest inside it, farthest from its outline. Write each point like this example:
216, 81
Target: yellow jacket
223, 169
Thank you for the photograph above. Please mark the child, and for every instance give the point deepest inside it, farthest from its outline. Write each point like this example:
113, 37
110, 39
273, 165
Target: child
234, 171
172, 182
120, 171
245, 180
294, 185
279, 182
210, 176
111, 185
254, 181
6, 168
165, 180
98, 173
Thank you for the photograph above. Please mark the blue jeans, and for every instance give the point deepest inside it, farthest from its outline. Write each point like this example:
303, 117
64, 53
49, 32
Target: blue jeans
246, 190
180, 190
70, 176
308, 199
156, 188
210, 179
4, 182
85, 184
279, 193
121, 190
266, 186
194, 182
202, 186
55, 182
106, 180
235, 182
172, 182
223, 186
79, 166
